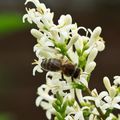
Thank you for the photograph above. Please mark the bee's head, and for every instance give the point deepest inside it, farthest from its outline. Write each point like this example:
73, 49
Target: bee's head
77, 73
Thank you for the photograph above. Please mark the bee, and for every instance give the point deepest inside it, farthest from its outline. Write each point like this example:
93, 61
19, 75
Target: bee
67, 68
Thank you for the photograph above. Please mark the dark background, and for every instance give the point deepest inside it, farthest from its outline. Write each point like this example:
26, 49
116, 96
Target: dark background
17, 85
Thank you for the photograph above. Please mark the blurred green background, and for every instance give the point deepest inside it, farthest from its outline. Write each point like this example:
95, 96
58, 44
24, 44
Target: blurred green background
17, 85
10, 22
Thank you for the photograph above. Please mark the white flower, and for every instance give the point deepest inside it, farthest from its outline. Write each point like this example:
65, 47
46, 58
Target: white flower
45, 100
49, 109
44, 89
98, 98
79, 116
111, 117
95, 35
61, 33
111, 89
75, 116
76, 113
45, 51
56, 84
83, 78
41, 17
116, 80
100, 45
73, 40
107, 84
94, 114
37, 67
73, 56
30, 16
79, 43
36, 2
79, 96
112, 102
64, 20
95, 39
93, 117
69, 118
99, 101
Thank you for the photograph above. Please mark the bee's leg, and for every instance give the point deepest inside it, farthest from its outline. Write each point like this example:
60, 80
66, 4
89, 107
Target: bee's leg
62, 76
76, 98
72, 78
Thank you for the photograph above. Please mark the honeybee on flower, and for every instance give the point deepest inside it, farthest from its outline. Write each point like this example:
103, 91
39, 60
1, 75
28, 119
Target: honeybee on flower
60, 49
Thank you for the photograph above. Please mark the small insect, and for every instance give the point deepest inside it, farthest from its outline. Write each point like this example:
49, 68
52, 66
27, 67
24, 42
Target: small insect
67, 68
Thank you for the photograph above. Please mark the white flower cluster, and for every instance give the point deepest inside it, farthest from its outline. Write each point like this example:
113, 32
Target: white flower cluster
62, 95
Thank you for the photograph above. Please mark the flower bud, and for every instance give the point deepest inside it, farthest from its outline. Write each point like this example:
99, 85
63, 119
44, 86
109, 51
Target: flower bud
90, 67
117, 80
96, 32
107, 84
112, 92
94, 93
92, 55
100, 45
79, 44
65, 20
95, 35
72, 41
36, 33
